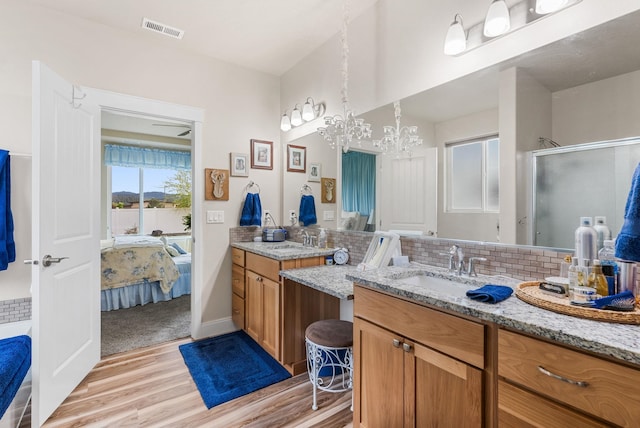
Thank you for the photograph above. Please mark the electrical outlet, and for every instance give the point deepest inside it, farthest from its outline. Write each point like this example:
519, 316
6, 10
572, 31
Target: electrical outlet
292, 216
267, 217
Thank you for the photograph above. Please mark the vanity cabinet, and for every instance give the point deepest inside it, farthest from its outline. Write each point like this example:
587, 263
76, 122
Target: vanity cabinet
415, 366
237, 287
547, 384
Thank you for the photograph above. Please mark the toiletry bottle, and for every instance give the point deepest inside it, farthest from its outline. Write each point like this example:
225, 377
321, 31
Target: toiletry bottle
322, 239
573, 276
602, 230
597, 280
607, 256
586, 240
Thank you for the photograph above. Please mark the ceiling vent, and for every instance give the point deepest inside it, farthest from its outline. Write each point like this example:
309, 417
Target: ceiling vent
162, 29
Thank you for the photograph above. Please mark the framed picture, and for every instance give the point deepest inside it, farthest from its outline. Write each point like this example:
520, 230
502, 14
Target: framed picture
328, 190
296, 158
216, 184
315, 172
239, 164
261, 154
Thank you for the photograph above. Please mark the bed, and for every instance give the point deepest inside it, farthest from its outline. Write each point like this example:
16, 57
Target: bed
136, 270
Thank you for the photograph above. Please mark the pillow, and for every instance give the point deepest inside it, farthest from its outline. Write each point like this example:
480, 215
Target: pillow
178, 247
172, 251
124, 241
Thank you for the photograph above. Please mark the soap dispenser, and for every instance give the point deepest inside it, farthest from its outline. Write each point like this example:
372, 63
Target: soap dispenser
322, 239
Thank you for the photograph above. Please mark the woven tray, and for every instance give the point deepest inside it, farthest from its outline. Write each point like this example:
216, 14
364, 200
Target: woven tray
530, 293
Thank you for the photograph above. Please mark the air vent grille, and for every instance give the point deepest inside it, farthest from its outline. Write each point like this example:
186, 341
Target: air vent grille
158, 27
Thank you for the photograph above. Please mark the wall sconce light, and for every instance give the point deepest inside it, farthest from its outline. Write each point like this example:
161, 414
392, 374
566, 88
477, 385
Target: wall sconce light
456, 40
497, 21
310, 111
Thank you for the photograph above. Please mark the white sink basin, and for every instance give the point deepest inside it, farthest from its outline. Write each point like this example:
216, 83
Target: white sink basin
438, 285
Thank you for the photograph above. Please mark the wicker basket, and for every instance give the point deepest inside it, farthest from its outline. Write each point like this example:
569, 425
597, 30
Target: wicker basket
530, 293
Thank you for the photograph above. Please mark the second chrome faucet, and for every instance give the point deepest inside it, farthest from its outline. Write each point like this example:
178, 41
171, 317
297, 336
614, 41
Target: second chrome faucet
457, 263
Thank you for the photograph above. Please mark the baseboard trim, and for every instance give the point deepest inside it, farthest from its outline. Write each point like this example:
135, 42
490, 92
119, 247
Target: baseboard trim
214, 328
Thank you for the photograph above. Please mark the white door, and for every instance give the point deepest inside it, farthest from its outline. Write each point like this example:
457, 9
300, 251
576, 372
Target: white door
65, 224
409, 190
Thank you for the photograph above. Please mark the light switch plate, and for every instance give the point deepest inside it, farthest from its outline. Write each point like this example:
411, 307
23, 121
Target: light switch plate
215, 217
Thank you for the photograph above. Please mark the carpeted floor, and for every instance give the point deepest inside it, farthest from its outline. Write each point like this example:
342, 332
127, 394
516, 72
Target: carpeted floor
140, 326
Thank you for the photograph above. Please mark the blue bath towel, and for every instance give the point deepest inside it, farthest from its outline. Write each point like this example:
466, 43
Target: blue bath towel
307, 214
251, 211
490, 293
7, 245
15, 360
628, 240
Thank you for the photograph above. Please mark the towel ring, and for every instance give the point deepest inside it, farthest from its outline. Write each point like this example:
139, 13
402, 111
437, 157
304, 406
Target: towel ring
250, 185
306, 188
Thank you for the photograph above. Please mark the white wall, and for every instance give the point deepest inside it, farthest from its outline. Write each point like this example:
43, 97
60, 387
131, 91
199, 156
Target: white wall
239, 104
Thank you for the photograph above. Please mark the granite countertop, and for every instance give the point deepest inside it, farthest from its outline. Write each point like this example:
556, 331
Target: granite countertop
619, 341
328, 279
285, 250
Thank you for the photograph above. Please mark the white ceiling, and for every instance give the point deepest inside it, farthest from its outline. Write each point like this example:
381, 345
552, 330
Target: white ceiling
266, 35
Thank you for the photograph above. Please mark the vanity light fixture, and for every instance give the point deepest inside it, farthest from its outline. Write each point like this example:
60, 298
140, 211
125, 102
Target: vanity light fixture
310, 111
456, 40
342, 130
497, 21
398, 140
549, 6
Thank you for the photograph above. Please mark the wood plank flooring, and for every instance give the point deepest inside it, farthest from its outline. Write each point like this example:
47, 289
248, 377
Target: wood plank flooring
152, 387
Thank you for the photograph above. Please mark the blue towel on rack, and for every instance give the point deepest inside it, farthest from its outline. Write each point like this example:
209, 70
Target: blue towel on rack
15, 360
251, 211
307, 214
490, 293
7, 245
628, 240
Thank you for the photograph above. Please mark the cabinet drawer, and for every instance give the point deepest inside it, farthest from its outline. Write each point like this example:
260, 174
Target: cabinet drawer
454, 336
518, 408
607, 390
237, 310
265, 266
237, 256
237, 280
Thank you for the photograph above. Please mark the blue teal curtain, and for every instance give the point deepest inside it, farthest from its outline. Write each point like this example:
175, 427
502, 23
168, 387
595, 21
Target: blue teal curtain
115, 155
358, 182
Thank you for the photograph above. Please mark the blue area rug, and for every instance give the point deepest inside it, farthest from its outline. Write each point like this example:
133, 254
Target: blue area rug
230, 366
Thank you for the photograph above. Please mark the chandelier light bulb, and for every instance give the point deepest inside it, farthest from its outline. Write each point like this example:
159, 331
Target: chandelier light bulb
398, 140
307, 111
497, 21
285, 123
456, 41
549, 6
296, 117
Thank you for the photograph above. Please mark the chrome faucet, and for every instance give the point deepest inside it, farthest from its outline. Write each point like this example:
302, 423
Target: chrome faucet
456, 259
306, 239
471, 270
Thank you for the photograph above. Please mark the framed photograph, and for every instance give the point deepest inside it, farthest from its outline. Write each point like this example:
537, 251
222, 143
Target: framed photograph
239, 164
296, 158
261, 154
216, 184
315, 172
328, 190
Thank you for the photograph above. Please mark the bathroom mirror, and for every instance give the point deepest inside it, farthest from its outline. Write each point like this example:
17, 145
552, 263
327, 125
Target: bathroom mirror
591, 84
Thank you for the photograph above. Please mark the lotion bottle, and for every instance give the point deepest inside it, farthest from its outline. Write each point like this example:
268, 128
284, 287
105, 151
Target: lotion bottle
586, 241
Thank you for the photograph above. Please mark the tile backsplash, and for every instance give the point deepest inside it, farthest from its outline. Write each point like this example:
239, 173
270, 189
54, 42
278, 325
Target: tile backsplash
525, 263
15, 310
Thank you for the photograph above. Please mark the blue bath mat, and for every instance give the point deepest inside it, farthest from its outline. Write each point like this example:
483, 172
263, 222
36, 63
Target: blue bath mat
230, 366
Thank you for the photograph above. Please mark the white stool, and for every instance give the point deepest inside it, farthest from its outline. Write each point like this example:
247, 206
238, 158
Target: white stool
330, 356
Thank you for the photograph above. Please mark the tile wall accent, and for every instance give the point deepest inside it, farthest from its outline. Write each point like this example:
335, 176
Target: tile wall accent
15, 310
520, 262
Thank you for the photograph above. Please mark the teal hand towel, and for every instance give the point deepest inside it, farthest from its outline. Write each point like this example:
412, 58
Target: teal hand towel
490, 293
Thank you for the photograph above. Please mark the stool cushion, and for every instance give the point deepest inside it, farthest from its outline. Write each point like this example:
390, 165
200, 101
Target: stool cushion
331, 333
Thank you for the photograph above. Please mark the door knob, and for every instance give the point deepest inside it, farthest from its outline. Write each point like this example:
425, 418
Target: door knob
48, 260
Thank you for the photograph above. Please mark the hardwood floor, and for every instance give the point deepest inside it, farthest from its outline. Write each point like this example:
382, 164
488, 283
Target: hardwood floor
152, 387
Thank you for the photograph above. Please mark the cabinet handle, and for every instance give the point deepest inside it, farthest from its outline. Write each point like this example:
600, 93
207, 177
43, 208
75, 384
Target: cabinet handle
406, 347
396, 343
580, 383
236, 311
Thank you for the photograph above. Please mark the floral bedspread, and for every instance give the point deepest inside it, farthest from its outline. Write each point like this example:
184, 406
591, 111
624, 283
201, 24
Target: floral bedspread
126, 266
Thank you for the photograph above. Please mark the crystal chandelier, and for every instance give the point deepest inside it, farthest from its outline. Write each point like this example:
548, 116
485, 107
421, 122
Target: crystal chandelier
398, 140
341, 130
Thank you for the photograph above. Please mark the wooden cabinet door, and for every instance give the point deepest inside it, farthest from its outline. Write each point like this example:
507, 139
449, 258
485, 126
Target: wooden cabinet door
271, 317
237, 310
439, 390
378, 382
253, 306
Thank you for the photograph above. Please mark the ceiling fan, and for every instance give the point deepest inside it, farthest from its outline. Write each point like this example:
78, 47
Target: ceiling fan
182, 134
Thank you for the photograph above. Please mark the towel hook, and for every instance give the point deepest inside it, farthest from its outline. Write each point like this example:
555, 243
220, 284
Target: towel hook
306, 188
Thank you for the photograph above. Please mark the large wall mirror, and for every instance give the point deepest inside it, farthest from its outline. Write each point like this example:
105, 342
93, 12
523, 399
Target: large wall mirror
583, 89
